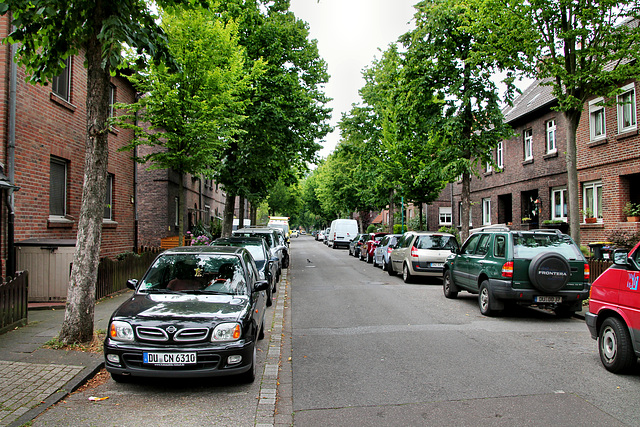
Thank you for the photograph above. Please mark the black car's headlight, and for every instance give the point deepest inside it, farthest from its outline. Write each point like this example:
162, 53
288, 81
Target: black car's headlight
226, 332
121, 331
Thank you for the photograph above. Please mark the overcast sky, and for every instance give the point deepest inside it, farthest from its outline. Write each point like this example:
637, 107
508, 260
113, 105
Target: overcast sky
349, 33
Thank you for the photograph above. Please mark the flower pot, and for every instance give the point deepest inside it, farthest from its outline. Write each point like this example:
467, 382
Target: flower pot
633, 219
591, 220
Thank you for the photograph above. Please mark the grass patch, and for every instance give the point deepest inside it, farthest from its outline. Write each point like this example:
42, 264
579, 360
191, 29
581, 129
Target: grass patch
95, 346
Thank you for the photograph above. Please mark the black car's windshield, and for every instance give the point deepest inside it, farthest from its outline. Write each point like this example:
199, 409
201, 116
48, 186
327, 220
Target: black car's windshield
528, 245
214, 273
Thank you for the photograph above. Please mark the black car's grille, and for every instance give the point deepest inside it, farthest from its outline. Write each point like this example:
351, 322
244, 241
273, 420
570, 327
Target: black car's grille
205, 361
155, 334
191, 334
148, 333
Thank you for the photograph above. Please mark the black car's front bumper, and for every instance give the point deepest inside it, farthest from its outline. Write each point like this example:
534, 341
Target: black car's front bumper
212, 360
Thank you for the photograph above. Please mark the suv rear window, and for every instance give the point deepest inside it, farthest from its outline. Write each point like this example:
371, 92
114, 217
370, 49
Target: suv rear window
528, 245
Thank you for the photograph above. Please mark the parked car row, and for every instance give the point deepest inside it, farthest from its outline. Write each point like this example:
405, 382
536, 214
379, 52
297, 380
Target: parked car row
198, 310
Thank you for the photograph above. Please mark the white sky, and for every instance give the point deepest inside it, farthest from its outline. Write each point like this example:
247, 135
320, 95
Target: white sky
349, 33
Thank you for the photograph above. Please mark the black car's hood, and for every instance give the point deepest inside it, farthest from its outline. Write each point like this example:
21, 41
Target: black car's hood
184, 306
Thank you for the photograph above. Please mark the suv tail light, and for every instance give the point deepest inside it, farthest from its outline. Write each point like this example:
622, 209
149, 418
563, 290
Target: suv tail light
414, 252
587, 272
507, 269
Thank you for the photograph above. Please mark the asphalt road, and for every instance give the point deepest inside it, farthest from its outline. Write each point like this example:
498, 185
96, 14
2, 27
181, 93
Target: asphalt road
369, 349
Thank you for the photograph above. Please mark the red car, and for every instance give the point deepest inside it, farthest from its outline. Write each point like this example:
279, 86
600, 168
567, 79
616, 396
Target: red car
614, 311
369, 247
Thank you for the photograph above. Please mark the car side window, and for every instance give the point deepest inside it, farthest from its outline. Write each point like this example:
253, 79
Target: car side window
483, 244
470, 245
407, 241
500, 244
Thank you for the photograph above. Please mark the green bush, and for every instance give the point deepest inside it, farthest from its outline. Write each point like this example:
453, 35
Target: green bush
371, 228
398, 229
451, 230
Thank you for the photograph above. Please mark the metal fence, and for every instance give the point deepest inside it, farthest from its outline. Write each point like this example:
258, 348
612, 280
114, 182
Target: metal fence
113, 275
13, 302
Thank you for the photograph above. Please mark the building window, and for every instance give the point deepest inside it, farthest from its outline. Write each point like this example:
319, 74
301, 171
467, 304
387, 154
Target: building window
597, 122
445, 217
528, 144
488, 167
592, 199
177, 213
58, 187
108, 200
61, 84
551, 136
500, 155
627, 109
486, 211
559, 200
112, 99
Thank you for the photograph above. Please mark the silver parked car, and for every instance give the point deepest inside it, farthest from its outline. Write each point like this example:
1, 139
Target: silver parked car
381, 254
421, 254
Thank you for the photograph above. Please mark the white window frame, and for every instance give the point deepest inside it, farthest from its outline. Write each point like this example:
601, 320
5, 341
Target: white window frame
488, 167
460, 214
108, 201
561, 193
551, 136
486, 211
500, 155
112, 98
444, 215
597, 120
528, 144
63, 188
627, 109
594, 200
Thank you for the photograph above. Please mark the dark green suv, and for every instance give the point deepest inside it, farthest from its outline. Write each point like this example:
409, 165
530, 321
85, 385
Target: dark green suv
544, 268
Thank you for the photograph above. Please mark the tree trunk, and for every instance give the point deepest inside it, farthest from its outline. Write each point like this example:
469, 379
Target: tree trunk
253, 213
78, 322
466, 206
572, 119
227, 216
392, 209
241, 213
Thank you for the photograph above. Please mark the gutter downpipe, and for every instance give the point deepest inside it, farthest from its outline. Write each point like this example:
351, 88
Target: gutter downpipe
11, 148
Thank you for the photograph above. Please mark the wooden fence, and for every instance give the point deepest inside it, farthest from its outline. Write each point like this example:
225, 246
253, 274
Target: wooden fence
13, 302
113, 275
597, 267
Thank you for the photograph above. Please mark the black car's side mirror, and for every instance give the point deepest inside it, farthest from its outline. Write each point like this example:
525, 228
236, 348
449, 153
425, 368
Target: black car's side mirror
261, 285
132, 283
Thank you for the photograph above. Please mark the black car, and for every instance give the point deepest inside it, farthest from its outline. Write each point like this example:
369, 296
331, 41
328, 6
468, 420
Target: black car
356, 244
274, 240
266, 265
197, 312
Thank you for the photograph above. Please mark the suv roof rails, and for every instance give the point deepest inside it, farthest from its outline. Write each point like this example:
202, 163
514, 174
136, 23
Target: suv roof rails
547, 230
490, 228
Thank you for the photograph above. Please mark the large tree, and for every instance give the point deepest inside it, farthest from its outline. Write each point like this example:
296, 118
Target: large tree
582, 49
48, 32
442, 56
191, 114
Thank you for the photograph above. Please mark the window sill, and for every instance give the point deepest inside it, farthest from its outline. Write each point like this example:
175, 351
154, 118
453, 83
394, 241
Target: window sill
527, 162
550, 155
488, 173
597, 142
592, 226
627, 134
62, 102
108, 223
60, 222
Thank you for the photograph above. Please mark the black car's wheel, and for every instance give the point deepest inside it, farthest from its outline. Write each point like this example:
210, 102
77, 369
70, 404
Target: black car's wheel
250, 375
285, 261
261, 332
614, 345
549, 272
269, 297
486, 300
375, 264
406, 274
119, 378
368, 258
449, 288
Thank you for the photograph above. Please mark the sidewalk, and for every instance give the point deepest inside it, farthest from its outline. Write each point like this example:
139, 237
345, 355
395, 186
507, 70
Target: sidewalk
33, 378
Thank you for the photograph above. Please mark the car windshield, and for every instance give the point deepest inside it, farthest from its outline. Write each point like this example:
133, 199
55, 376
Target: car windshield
436, 242
188, 273
528, 245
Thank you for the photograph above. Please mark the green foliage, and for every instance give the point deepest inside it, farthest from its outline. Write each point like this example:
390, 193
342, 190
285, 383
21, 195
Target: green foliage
631, 209
399, 228
451, 230
624, 239
371, 228
125, 255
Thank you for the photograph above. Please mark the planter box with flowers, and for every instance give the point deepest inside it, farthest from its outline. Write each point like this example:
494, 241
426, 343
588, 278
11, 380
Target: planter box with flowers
588, 216
632, 211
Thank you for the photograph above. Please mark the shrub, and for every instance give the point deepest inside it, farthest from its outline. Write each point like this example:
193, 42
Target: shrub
622, 239
451, 230
398, 229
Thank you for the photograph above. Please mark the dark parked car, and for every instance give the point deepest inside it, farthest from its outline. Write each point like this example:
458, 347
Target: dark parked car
538, 267
277, 246
366, 251
197, 312
356, 244
381, 254
265, 263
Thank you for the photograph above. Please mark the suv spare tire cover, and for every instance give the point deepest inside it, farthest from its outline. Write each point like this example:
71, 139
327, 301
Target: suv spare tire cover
549, 272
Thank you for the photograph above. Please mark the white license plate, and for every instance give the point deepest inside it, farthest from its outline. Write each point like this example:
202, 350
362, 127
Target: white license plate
544, 298
437, 264
169, 359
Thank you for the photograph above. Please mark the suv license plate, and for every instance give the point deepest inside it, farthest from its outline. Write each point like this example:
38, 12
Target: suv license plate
544, 298
169, 359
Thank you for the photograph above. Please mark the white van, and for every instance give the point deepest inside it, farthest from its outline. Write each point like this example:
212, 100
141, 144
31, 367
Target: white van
342, 231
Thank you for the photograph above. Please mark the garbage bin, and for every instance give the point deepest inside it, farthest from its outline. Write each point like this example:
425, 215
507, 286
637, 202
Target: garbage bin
601, 250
